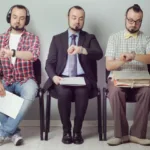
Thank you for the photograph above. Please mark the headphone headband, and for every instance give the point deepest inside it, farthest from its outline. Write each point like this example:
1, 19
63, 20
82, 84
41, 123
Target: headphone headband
8, 17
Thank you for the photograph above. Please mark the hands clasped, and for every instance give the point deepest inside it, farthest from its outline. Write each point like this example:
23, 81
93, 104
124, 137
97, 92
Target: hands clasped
73, 49
127, 57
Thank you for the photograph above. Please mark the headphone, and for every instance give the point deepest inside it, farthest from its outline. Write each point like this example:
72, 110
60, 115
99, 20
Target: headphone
8, 17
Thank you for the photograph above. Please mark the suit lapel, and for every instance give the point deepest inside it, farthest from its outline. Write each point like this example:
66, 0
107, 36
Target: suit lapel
64, 39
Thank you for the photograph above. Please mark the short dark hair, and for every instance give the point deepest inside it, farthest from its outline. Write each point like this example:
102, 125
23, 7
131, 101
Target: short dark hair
136, 8
76, 7
20, 7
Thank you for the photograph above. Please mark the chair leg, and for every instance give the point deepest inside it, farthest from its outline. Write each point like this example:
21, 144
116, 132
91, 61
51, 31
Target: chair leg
99, 114
47, 116
49, 113
105, 113
41, 106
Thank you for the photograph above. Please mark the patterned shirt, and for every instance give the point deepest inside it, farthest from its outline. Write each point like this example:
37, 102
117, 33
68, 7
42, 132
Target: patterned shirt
22, 70
118, 44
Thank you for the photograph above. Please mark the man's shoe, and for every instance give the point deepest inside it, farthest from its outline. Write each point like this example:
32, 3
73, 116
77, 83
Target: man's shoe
17, 139
1, 140
144, 142
77, 138
117, 141
67, 138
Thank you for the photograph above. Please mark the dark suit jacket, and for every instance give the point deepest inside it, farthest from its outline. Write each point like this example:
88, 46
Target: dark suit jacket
57, 57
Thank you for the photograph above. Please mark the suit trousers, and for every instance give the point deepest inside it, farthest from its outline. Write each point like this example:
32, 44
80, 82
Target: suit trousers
117, 97
66, 95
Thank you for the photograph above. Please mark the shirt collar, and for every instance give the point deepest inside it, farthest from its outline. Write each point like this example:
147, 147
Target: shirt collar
128, 35
23, 33
70, 33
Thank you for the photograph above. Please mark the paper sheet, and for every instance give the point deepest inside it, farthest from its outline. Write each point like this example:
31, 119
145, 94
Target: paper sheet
10, 104
73, 81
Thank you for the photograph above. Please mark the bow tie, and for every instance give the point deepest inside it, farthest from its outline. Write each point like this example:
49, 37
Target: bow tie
128, 35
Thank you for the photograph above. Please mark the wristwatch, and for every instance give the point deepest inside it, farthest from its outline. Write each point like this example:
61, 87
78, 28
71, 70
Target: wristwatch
14, 53
81, 50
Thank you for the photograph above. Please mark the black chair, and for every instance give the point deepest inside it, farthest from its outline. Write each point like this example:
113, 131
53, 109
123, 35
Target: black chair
37, 73
105, 96
52, 93
95, 93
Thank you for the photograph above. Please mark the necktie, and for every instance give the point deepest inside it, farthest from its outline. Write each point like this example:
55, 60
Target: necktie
73, 59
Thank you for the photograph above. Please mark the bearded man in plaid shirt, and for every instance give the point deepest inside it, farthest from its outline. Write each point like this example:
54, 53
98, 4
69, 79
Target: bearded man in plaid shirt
18, 50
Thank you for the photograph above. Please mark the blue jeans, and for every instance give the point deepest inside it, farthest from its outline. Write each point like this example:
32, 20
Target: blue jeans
28, 91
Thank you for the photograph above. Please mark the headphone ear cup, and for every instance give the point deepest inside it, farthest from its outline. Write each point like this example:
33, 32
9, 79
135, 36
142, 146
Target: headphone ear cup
8, 18
27, 20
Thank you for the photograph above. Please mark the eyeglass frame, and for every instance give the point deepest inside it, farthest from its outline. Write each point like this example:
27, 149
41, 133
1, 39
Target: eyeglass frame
131, 21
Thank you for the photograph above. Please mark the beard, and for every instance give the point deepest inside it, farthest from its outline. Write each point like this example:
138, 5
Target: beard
76, 29
16, 28
132, 30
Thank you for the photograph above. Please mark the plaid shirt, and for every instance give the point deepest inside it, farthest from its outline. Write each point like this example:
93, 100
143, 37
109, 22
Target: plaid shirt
118, 44
23, 69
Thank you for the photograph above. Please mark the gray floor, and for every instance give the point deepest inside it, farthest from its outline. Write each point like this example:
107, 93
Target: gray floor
32, 141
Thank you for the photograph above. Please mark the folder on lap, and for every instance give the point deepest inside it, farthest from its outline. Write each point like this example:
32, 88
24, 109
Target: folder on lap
131, 78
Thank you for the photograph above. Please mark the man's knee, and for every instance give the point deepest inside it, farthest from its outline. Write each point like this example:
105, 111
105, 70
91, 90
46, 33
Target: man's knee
114, 91
82, 91
29, 94
146, 90
29, 91
64, 92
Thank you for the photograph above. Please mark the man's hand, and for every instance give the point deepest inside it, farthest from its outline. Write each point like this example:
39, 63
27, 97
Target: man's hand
74, 50
56, 80
5, 53
2, 90
127, 57
2, 53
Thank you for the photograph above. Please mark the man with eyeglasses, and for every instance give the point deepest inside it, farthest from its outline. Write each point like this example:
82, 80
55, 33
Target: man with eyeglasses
129, 50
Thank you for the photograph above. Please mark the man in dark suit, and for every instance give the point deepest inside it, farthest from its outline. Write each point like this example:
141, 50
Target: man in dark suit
73, 53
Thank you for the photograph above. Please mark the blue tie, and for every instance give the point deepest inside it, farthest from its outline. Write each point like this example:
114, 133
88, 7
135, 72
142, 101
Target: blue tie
73, 59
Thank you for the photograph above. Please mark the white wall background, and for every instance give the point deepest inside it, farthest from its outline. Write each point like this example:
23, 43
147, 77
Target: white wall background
49, 17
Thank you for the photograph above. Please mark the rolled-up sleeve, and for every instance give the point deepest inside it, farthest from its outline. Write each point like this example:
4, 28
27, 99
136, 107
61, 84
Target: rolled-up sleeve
35, 47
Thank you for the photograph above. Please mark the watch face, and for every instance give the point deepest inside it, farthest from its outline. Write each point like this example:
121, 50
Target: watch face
14, 53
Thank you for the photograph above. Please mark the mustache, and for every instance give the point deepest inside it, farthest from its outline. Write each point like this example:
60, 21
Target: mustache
76, 29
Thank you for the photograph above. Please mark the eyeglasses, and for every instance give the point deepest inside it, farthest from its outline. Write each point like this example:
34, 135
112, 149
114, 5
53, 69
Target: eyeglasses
131, 21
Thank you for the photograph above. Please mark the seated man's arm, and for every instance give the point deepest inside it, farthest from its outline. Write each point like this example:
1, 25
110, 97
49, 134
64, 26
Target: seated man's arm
31, 54
94, 51
143, 58
113, 64
2, 90
51, 60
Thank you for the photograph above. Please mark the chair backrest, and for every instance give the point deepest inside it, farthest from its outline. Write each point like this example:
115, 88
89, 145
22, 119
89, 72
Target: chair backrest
37, 71
148, 66
106, 74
